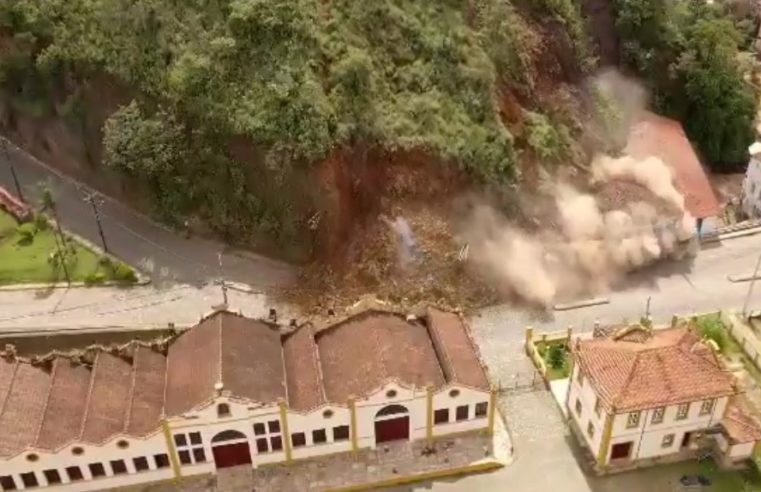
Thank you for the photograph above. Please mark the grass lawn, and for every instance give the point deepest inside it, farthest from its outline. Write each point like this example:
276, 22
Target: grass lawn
27, 262
559, 372
665, 478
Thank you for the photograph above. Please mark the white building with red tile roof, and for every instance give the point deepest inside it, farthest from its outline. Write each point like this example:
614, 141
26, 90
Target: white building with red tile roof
639, 395
234, 391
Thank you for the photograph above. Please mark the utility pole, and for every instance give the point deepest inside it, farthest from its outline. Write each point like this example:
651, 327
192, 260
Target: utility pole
222, 279
750, 287
94, 200
7, 156
49, 204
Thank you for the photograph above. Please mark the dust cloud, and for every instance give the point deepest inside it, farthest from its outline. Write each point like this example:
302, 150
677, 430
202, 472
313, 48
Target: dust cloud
591, 249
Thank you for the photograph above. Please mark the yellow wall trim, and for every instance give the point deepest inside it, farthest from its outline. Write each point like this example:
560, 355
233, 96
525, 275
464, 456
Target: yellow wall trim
284, 428
602, 453
173, 459
451, 472
492, 409
429, 412
353, 414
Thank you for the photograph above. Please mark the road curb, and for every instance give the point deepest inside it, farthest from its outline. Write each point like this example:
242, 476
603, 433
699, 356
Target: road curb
743, 277
581, 304
734, 235
75, 285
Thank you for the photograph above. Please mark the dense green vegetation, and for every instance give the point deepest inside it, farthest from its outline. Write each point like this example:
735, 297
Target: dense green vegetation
689, 54
294, 79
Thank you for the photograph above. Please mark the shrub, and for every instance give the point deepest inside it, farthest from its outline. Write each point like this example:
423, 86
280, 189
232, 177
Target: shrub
712, 328
95, 278
556, 356
106, 262
26, 232
40, 222
124, 273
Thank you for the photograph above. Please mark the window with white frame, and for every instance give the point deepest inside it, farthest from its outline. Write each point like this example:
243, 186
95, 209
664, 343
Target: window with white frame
580, 377
590, 430
658, 414
632, 420
578, 407
268, 436
668, 441
598, 407
707, 407
190, 448
682, 411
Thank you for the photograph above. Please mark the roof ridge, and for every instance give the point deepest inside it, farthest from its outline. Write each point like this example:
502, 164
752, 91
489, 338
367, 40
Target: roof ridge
384, 372
86, 414
53, 374
131, 397
166, 381
317, 363
284, 381
628, 380
221, 351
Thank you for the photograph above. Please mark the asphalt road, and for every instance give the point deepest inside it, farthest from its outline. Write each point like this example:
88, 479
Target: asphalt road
161, 252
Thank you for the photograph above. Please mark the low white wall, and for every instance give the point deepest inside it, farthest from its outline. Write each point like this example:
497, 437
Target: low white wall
743, 450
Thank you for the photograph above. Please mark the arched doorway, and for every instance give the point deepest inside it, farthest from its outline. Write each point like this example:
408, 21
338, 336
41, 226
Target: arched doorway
230, 448
392, 423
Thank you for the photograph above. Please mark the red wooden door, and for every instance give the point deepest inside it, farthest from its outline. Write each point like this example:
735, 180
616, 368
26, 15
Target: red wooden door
232, 455
392, 429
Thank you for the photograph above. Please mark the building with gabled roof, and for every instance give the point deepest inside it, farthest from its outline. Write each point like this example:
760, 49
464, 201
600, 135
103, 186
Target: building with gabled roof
236, 391
637, 395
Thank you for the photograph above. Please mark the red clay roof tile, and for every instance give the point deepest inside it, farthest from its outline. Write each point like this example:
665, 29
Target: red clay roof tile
147, 392
664, 138
458, 354
22, 412
302, 370
108, 400
66, 405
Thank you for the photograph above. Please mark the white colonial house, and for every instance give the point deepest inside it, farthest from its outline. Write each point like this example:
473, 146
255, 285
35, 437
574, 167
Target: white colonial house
235, 391
751, 191
640, 396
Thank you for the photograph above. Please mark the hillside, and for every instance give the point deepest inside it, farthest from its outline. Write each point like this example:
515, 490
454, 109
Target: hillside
292, 126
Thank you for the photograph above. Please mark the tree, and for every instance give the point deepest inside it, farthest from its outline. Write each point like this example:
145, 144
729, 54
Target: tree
62, 251
720, 105
556, 356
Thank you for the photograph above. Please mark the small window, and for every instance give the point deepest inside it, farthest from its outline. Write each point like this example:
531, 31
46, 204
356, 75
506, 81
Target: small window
180, 440
598, 407
298, 439
590, 430
185, 457
441, 416
319, 436
199, 455
276, 443
482, 409
223, 410
454, 393
77, 450
682, 411
667, 441
578, 406
32, 457
74, 473
162, 460
97, 470
7, 482
118, 467
29, 480
262, 445
461, 413
632, 420
391, 394
52, 476
658, 414
341, 433
327, 413
122, 444
274, 426
259, 429
580, 377
195, 438
141, 463
707, 407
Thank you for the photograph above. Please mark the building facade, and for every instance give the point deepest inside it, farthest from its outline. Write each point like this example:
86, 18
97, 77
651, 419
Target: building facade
234, 391
639, 396
751, 190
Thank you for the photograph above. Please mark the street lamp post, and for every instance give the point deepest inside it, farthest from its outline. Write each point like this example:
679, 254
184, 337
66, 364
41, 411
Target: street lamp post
92, 199
13, 169
750, 287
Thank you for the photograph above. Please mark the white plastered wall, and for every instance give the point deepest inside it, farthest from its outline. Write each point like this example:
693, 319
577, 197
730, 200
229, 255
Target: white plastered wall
587, 396
464, 396
314, 420
413, 399
108, 451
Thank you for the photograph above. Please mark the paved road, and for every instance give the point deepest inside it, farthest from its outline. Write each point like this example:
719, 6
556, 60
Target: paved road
138, 240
